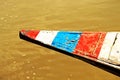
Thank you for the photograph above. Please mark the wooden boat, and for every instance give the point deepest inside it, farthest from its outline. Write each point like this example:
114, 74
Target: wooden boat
101, 47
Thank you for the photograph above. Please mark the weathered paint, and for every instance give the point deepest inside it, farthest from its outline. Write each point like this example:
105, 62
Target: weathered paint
30, 33
107, 46
66, 41
88, 44
46, 37
115, 52
99, 45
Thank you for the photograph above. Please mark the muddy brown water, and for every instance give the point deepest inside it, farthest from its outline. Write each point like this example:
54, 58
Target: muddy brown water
22, 60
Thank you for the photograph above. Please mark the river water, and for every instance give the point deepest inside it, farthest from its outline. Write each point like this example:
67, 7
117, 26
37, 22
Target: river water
22, 60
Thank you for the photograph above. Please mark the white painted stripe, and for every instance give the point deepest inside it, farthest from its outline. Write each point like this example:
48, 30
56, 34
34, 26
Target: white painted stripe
115, 53
46, 37
107, 45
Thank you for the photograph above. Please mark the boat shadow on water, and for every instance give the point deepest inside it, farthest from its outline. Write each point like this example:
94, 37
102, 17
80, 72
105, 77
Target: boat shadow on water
101, 66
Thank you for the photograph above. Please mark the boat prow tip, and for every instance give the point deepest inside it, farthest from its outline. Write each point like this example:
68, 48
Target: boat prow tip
21, 34
29, 33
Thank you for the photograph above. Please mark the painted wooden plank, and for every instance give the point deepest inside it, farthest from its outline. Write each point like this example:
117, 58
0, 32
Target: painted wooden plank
107, 46
30, 33
108, 64
46, 37
66, 41
99, 45
115, 52
87, 44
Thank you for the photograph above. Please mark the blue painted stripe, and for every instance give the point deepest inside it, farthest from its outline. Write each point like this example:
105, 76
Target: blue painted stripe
66, 40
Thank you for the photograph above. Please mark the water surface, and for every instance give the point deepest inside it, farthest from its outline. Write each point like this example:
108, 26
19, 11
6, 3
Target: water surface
22, 60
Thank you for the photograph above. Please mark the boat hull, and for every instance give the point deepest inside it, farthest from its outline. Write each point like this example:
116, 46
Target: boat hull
101, 47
